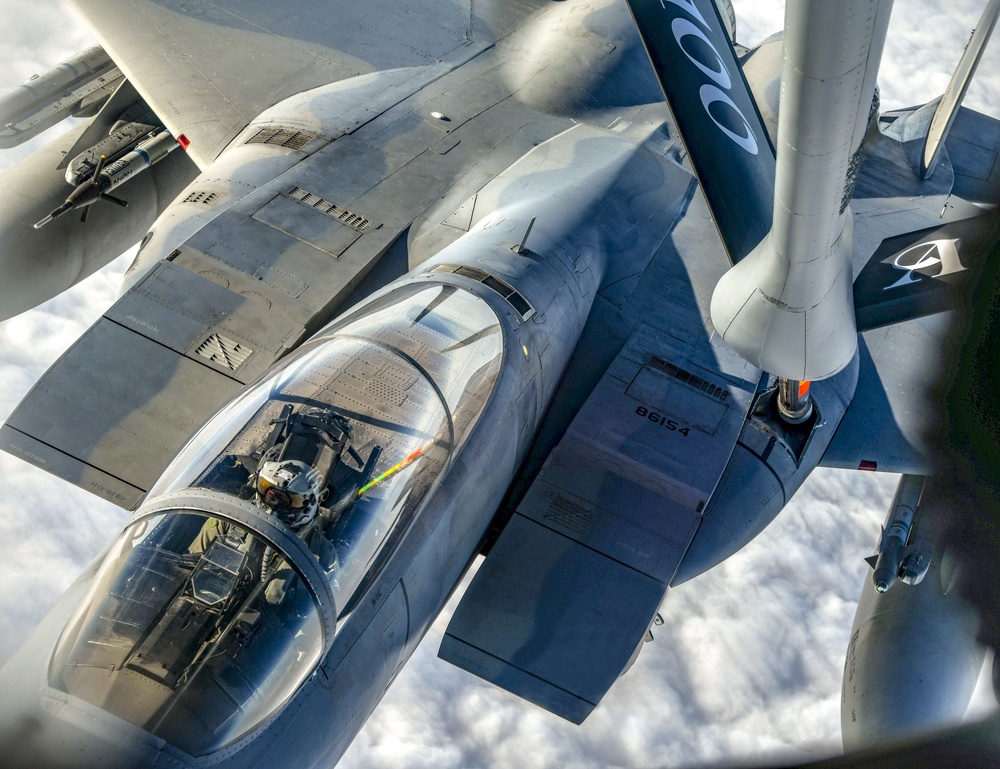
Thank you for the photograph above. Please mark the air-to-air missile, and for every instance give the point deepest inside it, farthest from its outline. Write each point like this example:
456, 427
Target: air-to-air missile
895, 558
107, 177
37, 264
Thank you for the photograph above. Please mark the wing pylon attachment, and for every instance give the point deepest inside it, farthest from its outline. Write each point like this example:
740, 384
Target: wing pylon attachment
568, 592
715, 113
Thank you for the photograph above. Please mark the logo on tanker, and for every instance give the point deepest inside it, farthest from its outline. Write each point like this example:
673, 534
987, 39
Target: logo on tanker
685, 32
931, 259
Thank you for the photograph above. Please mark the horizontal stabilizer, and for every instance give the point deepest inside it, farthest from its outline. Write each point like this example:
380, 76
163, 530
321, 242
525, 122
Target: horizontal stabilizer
715, 113
915, 274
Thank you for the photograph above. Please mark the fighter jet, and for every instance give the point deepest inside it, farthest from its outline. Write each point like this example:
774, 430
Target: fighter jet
443, 280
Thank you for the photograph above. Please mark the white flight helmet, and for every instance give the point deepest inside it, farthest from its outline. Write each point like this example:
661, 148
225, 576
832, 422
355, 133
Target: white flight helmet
290, 489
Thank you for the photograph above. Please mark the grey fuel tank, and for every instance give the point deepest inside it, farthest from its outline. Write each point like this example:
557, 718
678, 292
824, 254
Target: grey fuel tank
913, 659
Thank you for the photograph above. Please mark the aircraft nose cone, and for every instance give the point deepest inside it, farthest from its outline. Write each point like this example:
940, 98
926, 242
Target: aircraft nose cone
44, 728
32, 737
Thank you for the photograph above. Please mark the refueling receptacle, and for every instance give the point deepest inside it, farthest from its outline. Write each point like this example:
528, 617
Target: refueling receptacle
794, 402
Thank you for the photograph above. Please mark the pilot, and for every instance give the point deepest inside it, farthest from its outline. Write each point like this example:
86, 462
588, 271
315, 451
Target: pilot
302, 466
289, 489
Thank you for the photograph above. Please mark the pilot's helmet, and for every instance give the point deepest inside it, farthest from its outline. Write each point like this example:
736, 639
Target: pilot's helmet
290, 489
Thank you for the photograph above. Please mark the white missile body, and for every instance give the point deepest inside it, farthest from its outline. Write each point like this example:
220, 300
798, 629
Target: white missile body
120, 140
897, 556
107, 178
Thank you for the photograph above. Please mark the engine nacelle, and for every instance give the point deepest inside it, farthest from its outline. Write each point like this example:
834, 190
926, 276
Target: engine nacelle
770, 461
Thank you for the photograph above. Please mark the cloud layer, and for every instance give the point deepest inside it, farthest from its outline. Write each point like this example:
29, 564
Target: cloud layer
749, 660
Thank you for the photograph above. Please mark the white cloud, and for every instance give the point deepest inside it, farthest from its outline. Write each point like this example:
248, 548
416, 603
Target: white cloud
749, 660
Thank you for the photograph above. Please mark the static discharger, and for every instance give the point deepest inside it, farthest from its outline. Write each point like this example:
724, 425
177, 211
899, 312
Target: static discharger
794, 402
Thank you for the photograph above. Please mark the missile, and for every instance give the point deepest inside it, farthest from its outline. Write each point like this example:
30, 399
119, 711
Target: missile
894, 560
38, 264
122, 139
107, 177
44, 100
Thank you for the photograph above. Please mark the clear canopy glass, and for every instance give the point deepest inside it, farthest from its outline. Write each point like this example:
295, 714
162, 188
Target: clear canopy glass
375, 407
186, 637
198, 628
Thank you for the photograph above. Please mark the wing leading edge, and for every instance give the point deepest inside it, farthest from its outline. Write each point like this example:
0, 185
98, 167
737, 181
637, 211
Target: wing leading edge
189, 60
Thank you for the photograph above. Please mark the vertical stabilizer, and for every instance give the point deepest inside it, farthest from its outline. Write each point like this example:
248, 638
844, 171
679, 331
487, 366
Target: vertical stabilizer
788, 307
951, 100
692, 55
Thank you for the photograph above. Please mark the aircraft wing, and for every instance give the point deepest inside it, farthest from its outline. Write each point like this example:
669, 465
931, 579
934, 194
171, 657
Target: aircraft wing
191, 60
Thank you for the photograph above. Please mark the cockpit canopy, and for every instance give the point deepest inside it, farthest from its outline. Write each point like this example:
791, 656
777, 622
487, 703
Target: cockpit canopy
364, 418
197, 630
201, 623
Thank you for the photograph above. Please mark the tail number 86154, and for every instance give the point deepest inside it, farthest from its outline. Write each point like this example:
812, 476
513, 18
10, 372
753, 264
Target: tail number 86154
659, 419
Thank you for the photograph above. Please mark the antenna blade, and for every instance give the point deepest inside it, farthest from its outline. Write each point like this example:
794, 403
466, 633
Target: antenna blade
715, 113
951, 100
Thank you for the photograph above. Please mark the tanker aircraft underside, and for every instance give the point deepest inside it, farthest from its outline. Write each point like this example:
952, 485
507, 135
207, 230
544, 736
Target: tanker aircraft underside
439, 279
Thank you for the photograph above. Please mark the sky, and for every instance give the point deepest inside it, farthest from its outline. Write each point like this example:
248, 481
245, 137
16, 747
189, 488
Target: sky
749, 660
